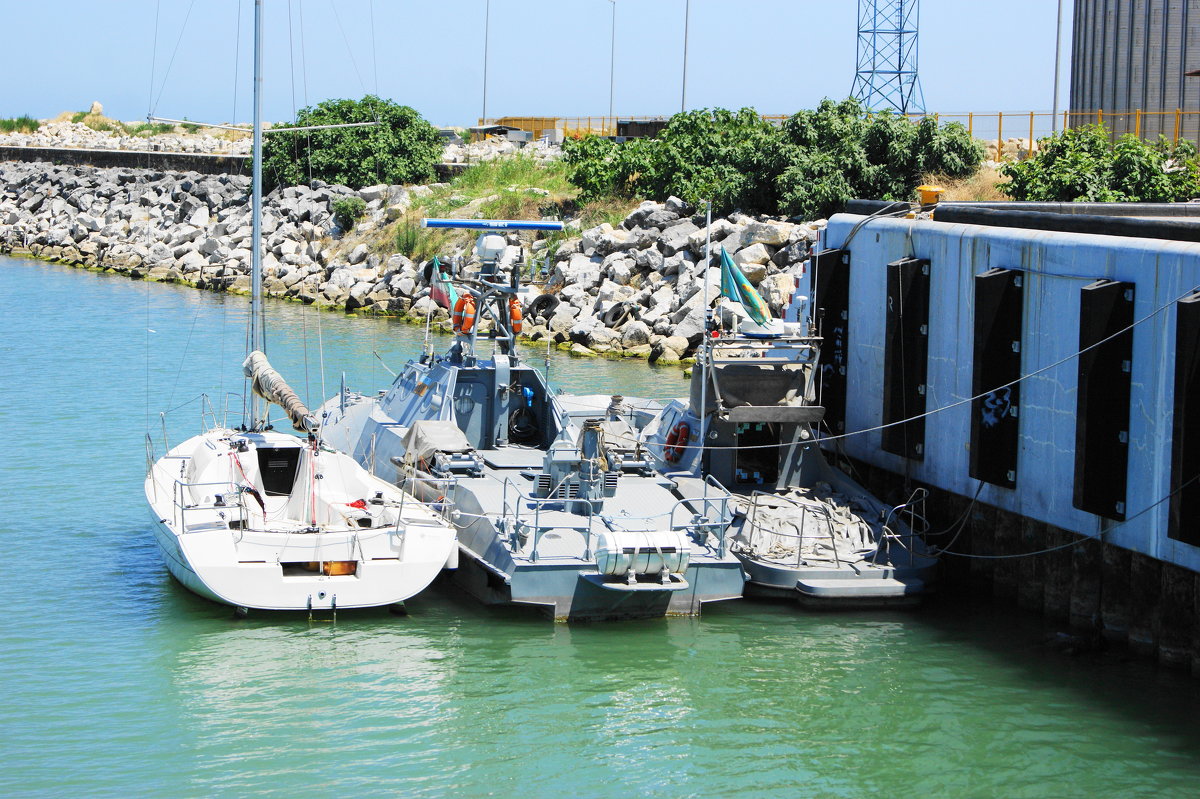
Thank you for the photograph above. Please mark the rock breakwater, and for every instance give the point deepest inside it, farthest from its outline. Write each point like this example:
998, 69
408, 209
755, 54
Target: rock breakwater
635, 289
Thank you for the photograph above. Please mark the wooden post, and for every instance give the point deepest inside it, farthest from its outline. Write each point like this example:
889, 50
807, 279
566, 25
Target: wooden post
1031, 572
1145, 590
1000, 136
1176, 619
1057, 578
1087, 562
1137, 123
971, 123
1029, 149
1178, 114
1114, 594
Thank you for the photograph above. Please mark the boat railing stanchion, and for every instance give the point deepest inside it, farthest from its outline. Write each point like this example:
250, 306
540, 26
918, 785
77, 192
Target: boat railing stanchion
162, 418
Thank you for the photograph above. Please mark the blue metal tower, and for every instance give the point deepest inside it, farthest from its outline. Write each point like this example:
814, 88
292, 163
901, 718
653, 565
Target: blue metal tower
887, 56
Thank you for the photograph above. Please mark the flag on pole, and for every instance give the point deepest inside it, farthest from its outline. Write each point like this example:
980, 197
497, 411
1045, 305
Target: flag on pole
441, 290
736, 287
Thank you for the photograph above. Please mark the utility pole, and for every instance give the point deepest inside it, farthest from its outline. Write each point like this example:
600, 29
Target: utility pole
886, 77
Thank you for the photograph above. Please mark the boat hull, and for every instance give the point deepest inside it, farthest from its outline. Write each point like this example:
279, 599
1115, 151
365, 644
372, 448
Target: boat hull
265, 585
227, 554
835, 587
572, 592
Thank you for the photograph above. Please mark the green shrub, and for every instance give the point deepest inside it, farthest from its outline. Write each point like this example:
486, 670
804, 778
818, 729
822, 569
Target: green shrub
348, 210
402, 149
21, 124
1083, 165
809, 167
150, 129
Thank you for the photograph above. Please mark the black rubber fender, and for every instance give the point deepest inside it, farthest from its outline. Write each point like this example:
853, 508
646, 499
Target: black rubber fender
542, 305
619, 314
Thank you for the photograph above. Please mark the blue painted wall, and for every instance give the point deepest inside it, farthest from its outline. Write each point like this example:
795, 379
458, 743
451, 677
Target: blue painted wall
1057, 266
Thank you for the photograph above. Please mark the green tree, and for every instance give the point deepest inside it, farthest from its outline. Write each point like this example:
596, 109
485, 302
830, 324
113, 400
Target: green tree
1083, 165
403, 148
810, 166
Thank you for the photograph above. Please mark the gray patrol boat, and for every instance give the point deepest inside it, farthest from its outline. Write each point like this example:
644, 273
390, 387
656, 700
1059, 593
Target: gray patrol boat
803, 529
555, 500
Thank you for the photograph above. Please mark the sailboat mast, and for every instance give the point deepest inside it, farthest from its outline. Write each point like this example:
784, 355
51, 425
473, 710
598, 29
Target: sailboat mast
257, 338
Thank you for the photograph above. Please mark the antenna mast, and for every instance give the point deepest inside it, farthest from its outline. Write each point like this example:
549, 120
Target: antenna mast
887, 79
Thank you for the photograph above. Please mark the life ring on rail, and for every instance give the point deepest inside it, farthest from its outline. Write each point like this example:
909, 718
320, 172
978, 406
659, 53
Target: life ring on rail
462, 319
676, 442
514, 314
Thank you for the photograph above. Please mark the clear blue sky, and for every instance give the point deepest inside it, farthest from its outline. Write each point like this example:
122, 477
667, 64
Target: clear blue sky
546, 57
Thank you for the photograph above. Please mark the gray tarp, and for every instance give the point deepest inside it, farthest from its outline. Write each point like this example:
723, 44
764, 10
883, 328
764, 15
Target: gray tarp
270, 385
427, 437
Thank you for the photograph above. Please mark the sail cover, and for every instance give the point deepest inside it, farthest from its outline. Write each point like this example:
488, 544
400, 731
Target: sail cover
270, 385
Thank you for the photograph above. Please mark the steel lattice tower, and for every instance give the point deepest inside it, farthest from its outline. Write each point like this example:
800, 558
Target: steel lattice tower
887, 56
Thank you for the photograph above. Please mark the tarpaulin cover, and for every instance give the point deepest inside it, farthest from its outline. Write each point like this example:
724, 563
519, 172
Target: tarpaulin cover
428, 437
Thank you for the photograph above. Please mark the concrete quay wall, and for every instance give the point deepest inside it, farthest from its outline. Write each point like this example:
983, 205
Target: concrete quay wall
1128, 571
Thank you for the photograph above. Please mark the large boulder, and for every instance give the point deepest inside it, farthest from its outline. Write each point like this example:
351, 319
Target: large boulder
777, 291
773, 234
635, 333
675, 237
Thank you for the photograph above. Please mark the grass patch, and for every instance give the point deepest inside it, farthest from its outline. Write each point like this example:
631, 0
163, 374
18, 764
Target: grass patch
149, 129
22, 124
983, 186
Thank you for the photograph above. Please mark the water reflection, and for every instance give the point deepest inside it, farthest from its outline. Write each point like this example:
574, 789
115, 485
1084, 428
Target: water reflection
122, 682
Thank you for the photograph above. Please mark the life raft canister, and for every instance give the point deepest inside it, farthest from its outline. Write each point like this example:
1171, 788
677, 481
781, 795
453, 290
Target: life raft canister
676, 442
462, 319
515, 315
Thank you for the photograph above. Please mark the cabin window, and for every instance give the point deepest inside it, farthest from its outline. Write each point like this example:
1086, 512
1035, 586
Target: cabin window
757, 455
278, 469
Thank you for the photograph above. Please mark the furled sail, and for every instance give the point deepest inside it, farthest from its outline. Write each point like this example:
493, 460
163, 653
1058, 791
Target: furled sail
270, 385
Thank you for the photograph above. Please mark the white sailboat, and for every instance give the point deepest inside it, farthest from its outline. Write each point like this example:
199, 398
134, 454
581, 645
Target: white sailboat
261, 519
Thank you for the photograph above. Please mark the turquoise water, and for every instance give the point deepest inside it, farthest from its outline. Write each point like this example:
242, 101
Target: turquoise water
117, 682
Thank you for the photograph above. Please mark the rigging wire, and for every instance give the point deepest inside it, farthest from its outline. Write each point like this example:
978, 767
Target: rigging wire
1099, 537
337, 17
304, 83
959, 403
374, 59
153, 60
237, 57
175, 52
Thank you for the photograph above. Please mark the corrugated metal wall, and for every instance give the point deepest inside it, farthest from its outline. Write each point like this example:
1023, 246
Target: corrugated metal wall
1131, 54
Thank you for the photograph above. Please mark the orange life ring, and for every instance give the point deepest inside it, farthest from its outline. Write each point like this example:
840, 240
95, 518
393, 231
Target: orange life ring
515, 315
676, 442
462, 320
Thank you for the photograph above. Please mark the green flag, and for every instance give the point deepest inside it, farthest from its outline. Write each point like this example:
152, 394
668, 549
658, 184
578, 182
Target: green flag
440, 289
736, 287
